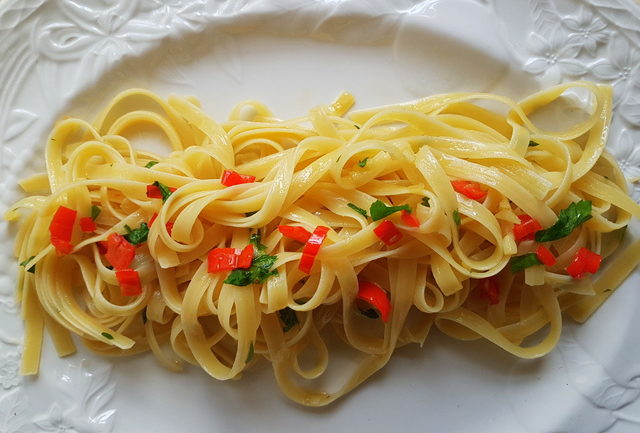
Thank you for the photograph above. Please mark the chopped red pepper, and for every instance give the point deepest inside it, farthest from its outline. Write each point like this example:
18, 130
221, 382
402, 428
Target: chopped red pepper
545, 256
153, 219
231, 178
246, 257
409, 219
296, 233
490, 289
153, 191
469, 189
87, 225
129, 281
61, 229
584, 261
102, 247
388, 232
120, 252
374, 296
222, 259
311, 248
526, 229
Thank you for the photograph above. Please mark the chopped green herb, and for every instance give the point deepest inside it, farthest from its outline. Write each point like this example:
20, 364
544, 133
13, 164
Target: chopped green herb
363, 162
250, 354
150, 164
95, 212
164, 190
356, 125
568, 219
370, 313
31, 269
137, 236
456, 217
521, 262
379, 210
53, 139
248, 214
288, 318
256, 239
358, 209
425, 202
107, 336
259, 271
533, 143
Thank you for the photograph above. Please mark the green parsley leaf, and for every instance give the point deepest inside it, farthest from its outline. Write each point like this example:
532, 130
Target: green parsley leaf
256, 239
521, 262
164, 190
31, 269
358, 209
356, 125
380, 210
363, 162
568, 219
95, 212
137, 236
456, 217
250, 354
258, 273
288, 318
150, 164
425, 202
533, 143
107, 336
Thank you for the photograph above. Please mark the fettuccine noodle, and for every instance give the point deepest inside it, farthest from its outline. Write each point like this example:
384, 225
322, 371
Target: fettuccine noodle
321, 170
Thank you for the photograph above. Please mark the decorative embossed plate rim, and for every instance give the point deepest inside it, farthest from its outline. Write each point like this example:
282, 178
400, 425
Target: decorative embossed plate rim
55, 55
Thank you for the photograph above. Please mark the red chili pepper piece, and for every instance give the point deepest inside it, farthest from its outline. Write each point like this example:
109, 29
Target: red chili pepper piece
231, 178
153, 219
526, 229
153, 191
120, 252
584, 261
296, 233
129, 281
409, 219
87, 225
388, 232
545, 256
169, 227
61, 229
311, 248
376, 297
222, 259
246, 257
490, 289
102, 247
469, 189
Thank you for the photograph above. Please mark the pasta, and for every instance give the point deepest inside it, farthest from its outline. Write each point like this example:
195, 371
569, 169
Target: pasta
261, 237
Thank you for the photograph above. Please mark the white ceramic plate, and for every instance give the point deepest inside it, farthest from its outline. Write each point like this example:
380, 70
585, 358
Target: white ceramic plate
70, 56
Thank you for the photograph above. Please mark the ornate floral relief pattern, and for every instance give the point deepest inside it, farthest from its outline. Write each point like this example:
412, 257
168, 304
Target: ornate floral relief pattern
80, 406
598, 42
